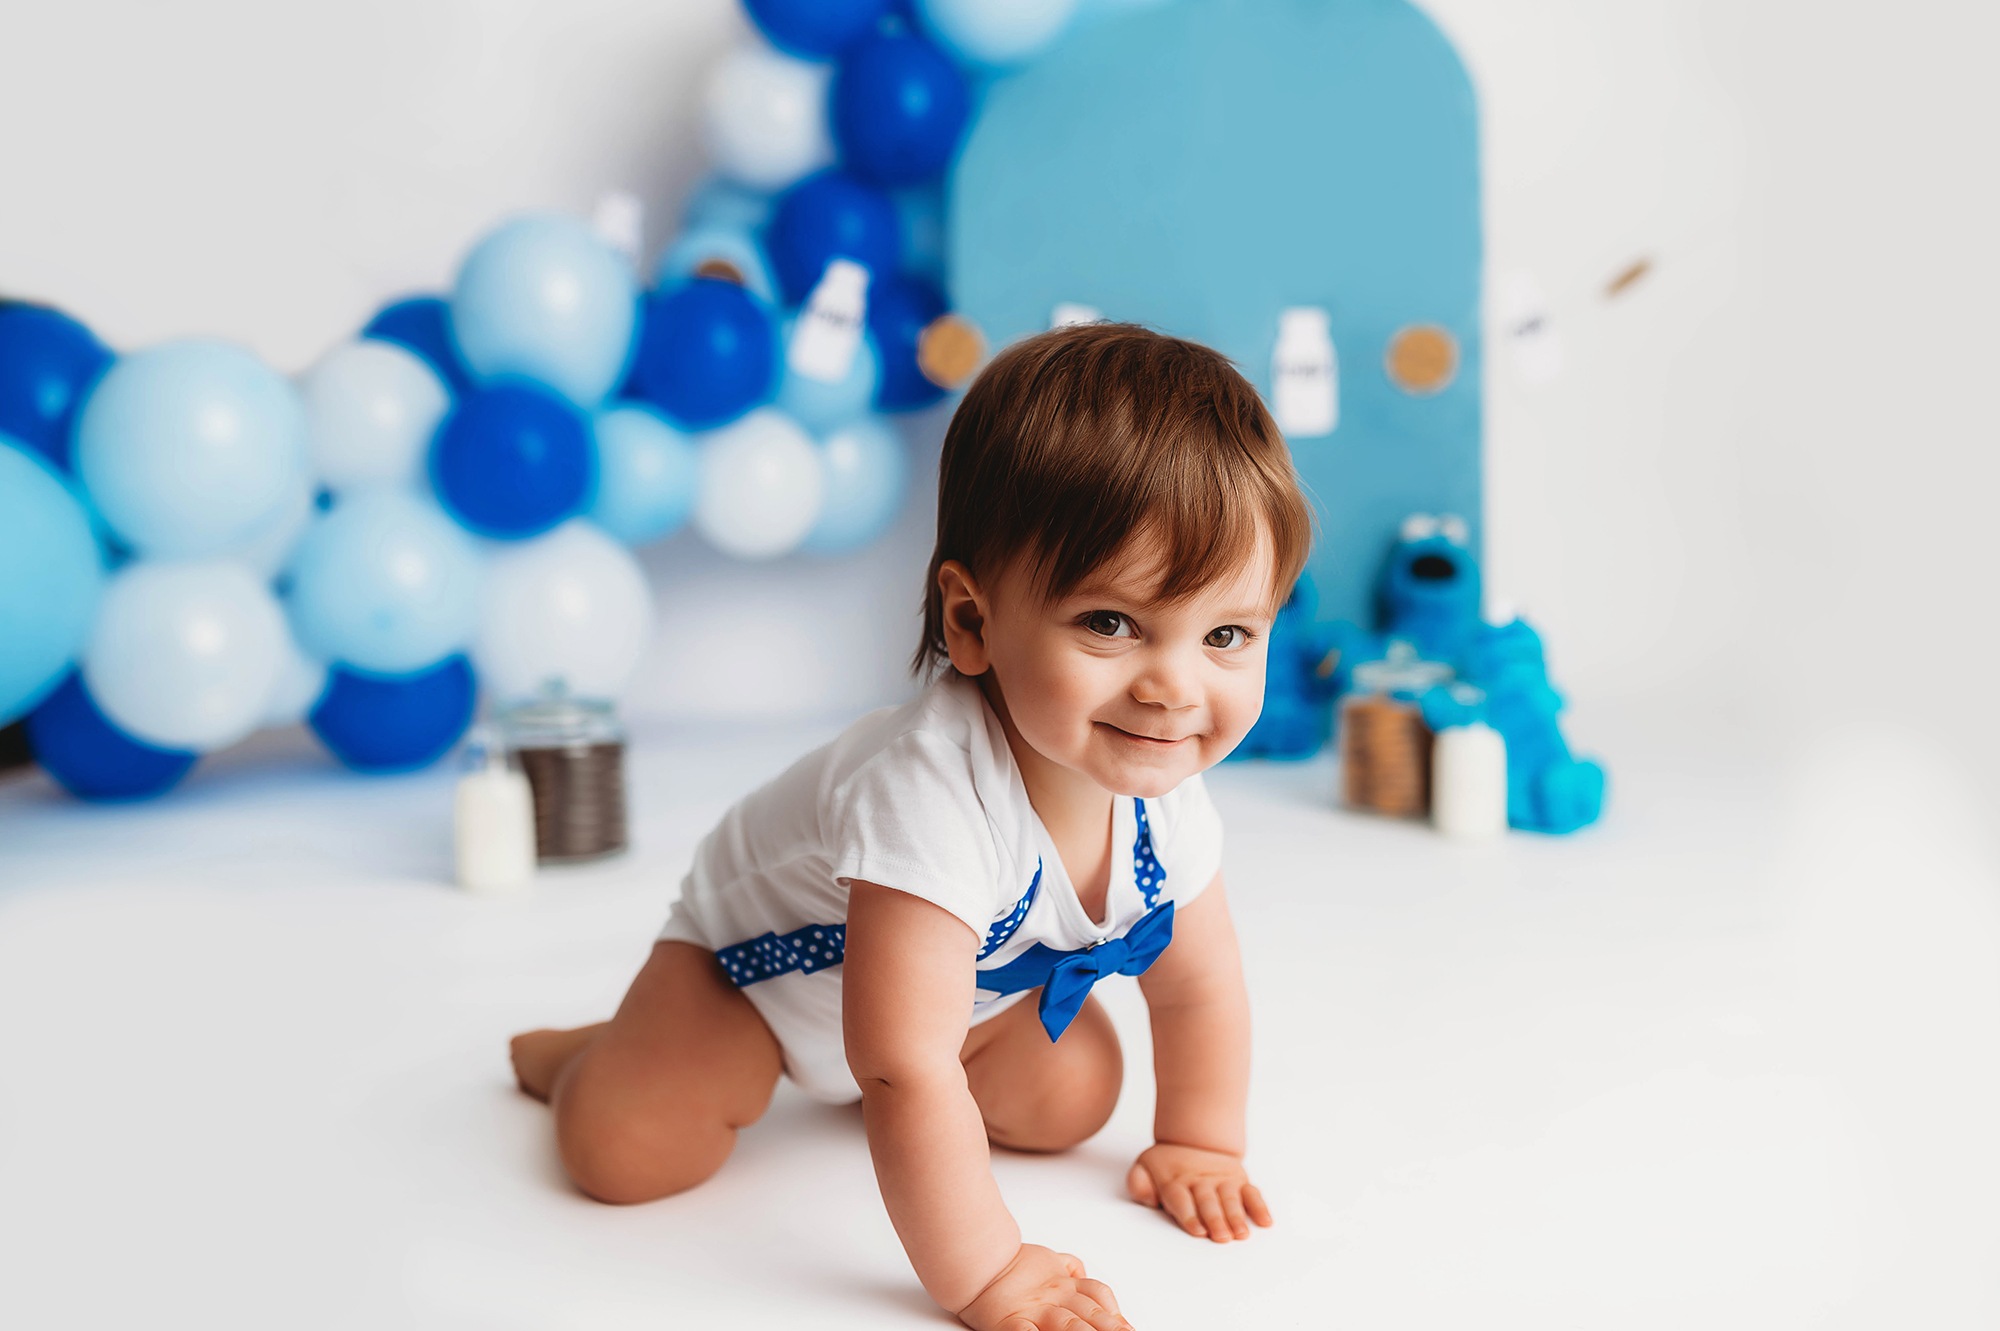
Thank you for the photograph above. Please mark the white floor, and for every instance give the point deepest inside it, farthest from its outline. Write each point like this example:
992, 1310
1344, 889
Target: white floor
1731, 1059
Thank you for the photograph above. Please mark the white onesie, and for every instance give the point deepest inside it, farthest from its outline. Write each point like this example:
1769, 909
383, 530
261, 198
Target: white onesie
924, 798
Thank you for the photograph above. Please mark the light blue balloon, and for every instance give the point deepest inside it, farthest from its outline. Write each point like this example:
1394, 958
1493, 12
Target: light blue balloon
823, 407
867, 472
648, 475
545, 297
385, 583
191, 447
50, 579
995, 33
721, 202
733, 245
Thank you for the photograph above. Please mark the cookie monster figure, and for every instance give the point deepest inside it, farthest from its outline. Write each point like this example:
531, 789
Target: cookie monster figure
1429, 597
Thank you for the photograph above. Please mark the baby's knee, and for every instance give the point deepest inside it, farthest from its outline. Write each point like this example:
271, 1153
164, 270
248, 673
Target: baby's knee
626, 1161
1072, 1101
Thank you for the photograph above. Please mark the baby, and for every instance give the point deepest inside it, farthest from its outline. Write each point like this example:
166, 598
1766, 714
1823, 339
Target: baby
913, 916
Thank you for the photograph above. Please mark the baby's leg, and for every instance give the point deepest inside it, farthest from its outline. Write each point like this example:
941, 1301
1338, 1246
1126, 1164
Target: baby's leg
1041, 1096
650, 1102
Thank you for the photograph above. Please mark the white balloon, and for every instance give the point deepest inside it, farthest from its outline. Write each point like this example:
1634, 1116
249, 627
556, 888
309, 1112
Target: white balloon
761, 486
995, 33
185, 655
300, 684
571, 606
371, 408
764, 117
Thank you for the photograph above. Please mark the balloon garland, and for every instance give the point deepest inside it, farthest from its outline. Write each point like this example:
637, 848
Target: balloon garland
193, 546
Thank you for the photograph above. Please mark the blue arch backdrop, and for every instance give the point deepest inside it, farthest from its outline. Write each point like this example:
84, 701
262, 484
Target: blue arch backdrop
1198, 167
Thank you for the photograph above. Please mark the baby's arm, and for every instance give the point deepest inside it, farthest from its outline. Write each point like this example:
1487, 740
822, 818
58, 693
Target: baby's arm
907, 996
1201, 1061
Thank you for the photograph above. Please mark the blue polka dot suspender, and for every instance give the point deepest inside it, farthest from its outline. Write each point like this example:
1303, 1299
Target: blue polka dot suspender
818, 946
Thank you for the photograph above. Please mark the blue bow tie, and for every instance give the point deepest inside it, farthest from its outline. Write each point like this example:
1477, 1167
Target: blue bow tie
1066, 977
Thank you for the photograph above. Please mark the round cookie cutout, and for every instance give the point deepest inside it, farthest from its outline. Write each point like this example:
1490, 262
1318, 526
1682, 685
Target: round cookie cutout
1422, 359
950, 348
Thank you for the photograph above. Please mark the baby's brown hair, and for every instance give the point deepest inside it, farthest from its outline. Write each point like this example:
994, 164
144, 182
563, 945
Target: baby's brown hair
1075, 440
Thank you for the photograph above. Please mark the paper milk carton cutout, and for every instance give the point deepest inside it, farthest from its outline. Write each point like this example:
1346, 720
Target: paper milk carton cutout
1205, 166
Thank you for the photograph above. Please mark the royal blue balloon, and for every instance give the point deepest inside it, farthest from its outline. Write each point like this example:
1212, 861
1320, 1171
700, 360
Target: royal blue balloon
48, 361
826, 216
422, 324
376, 723
899, 310
898, 106
512, 460
708, 352
93, 759
816, 29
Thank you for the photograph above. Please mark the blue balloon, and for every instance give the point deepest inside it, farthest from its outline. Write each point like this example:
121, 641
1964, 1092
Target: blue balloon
51, 577
823, 407
547, 298
48, 362
704, 250
826, 216
899, 310
898, 106
376, 723
707, 354
866, 474
191, 447
512, 460
920, 208
384, 583
93, 759
648, 475
996, 33
816, 29
422, 324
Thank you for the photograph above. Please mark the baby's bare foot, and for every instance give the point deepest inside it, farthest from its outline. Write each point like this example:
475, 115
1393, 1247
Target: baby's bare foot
539, 1055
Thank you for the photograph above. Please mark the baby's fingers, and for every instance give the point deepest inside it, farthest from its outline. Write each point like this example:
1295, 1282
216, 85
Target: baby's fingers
1139, 1182
1178, 1202
1099, 1291
1253, 1202
1232, 1209
1209, 1207
1086, 1312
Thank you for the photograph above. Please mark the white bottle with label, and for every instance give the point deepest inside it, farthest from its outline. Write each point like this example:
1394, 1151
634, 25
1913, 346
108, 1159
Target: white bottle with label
493, 822
1305, 374
827, 336
1469, 781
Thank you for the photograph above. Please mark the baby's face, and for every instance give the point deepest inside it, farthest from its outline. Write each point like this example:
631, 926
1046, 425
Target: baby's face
1132, 692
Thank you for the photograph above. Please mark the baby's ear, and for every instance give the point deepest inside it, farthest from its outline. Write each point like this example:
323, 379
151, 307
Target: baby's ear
965, 613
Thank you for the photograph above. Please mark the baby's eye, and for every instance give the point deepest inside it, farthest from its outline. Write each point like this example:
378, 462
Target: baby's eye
1109, 624
1227, 637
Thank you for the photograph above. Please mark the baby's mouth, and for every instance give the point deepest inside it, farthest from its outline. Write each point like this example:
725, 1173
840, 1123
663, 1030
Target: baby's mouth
1157, 740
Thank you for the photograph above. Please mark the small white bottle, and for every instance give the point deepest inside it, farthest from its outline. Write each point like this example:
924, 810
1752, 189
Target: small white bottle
1305, 374
493, 822
827, 336
1469, 781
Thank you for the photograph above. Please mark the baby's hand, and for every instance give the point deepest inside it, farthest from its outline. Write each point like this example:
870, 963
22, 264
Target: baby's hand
1206, 1191
1043, 1290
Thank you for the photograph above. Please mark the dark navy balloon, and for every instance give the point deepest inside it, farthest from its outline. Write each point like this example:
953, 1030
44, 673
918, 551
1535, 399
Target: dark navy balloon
48, 361
423, 324
512, 460
708, 352
93, 759
825, 216
376, 723
899, 309
898, 106
816, 29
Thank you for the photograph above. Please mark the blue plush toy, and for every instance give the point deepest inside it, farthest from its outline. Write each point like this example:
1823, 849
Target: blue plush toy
1429, 597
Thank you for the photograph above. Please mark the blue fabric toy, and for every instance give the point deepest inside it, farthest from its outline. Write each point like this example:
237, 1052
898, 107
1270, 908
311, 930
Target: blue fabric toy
1429, 596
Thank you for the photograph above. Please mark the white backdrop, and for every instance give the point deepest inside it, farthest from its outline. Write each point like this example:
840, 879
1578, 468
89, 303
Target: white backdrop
1760, 484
